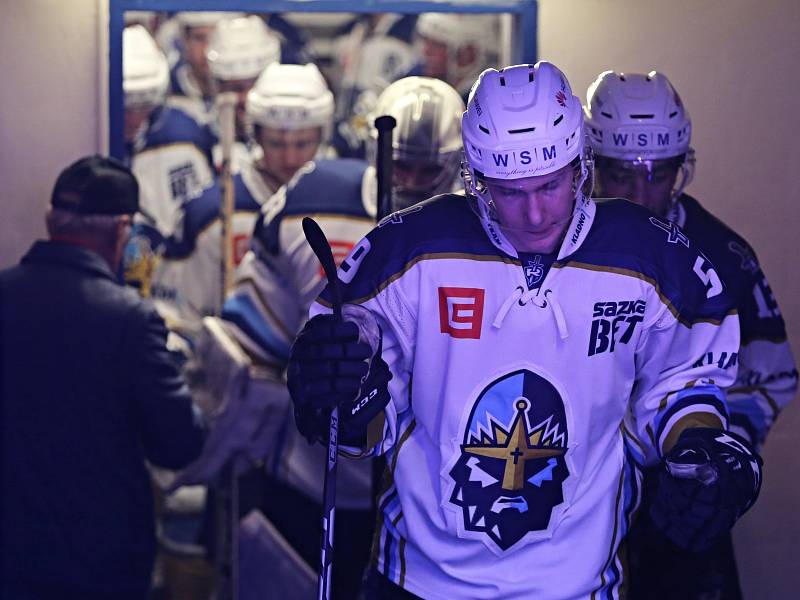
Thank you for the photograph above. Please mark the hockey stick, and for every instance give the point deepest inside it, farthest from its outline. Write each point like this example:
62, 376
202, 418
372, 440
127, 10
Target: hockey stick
319, 244
226, 113
383, 164
227, 556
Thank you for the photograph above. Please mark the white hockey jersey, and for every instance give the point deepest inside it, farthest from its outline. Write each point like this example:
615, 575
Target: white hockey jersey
172, 162
523, 397
189, 276
277, 282
767, 374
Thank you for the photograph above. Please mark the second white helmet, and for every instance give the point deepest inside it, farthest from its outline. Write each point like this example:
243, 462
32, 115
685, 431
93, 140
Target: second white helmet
145, 72
241, 48
521, 121
632, 116
291, 97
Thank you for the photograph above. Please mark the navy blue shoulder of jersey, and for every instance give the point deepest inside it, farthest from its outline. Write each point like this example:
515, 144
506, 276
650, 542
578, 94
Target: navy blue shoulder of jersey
293, 40
169, 125
444, 226
737, 264
334, 187
202, 210
626, 238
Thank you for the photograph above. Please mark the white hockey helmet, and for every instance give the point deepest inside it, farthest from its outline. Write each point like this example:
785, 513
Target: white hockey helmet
428, 114
241, 48
638, 119
632, 116
457, 31
291, 97
145, 72
198, 18
521, 121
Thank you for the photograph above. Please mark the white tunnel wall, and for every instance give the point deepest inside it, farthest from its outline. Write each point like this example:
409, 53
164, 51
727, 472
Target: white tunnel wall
48, 107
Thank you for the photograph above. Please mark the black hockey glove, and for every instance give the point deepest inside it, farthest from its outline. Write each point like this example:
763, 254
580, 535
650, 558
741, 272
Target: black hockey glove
329, 366
711, 478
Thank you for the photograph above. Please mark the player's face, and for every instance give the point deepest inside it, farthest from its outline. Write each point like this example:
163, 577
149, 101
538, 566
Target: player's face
416, 175
534, 211
195, 43
647, 183
240, 87
286, 150
414, 181
435, 58
135, 116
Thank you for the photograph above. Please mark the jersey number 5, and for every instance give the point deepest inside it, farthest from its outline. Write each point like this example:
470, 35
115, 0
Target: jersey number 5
709, 277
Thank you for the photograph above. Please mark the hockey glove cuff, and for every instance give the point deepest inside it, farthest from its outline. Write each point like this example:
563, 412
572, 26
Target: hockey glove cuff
329, 366
710, 478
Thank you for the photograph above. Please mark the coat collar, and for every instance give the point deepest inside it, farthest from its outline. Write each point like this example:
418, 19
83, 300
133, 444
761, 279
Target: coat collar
70, 255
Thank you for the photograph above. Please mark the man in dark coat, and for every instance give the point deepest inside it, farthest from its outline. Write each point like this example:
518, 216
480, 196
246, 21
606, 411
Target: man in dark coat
89, 393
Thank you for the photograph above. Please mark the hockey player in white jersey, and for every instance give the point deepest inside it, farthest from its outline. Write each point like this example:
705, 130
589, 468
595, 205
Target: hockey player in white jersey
279, 279
640, 132
529, 331
168, 150
291, 110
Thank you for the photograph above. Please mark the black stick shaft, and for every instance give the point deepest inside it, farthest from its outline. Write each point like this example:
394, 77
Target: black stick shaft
319, 244
383, 164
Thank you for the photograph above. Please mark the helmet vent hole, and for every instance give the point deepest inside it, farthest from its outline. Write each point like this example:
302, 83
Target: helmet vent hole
530, 76
673, 113
558, 120
622, 77
606, 115
523, 130
483, 129
502, 81
642, 116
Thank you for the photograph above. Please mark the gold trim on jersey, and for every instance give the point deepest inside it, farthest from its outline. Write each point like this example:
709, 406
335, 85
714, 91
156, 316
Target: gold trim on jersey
645, 278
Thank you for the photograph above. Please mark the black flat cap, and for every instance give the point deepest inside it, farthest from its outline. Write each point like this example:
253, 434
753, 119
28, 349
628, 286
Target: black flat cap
97, 185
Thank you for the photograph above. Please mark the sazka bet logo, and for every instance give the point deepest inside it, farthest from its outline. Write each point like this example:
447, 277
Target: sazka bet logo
509, 475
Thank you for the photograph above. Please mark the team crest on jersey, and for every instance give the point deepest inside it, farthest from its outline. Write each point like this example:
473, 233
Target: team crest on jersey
534, 271
511, 469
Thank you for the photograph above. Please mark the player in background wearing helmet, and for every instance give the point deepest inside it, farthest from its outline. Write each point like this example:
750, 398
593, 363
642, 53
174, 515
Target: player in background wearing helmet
640, 133
291, 109
190, 77
426, 142
528, 331
277, 282
372, 52
455, 48
238, 52
167, 149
